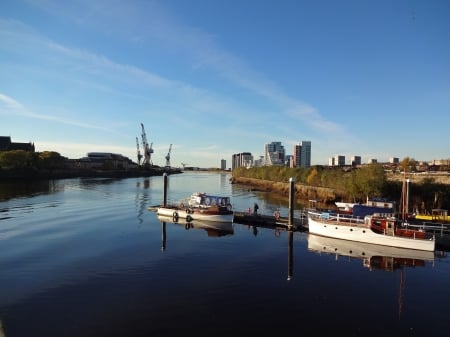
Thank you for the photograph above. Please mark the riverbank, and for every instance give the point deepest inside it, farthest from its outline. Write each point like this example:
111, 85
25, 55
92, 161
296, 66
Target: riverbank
33, 174
324, 197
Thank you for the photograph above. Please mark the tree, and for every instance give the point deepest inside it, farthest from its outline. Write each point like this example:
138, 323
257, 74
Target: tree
369, 181
51, 160
408, 164
15, 159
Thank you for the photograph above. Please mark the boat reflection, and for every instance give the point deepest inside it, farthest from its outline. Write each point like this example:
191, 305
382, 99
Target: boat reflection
213, 228
373, 256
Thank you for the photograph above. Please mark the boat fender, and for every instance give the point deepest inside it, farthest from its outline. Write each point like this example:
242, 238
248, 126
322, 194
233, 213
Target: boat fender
187, 226
175, 216
188, 218
188, 211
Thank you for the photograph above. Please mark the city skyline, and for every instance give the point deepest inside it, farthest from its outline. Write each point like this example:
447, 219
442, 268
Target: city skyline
218, 78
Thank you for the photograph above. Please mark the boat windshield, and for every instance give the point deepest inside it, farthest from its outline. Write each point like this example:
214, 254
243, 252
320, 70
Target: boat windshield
215, 200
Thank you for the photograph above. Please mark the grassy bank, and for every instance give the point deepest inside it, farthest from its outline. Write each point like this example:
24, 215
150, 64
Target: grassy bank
325, 197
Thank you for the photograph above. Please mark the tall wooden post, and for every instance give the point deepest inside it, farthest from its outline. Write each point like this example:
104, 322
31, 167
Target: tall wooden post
291, 201
165, 190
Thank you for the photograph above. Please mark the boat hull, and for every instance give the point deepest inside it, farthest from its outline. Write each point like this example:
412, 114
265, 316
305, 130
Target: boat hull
213, 228
358, 231
195, 214
362, 250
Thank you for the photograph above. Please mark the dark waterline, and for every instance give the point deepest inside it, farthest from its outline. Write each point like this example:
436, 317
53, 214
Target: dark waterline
84, 257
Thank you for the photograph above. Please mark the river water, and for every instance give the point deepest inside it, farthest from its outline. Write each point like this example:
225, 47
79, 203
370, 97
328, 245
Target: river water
85, 257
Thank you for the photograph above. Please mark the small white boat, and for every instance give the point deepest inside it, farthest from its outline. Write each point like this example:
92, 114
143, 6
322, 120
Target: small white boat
375, 229
199, 206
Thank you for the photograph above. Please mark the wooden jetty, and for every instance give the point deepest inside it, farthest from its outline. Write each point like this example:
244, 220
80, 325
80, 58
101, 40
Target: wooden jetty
270, 221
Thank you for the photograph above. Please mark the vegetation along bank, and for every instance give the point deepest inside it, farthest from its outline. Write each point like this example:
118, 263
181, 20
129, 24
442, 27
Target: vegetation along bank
327, 185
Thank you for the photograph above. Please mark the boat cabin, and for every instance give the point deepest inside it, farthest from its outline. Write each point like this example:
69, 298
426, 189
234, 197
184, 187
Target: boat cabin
381, 224
206, 200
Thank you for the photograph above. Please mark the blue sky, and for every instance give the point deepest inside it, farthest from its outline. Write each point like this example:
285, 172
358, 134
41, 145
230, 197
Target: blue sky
216, 77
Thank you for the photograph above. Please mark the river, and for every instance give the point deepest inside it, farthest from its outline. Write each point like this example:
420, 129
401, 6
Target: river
85, 257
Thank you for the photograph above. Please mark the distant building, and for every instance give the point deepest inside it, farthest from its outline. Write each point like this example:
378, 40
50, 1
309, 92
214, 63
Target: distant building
243, 159
223, 164
289, 159
356, 160
106, 160
394, 160
7, 145
302, 154
274, 154
338, 160
258, 162
305, 156
372, 161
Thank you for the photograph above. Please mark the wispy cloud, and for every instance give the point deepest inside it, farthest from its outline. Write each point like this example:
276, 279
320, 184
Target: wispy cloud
9, 105
202, 48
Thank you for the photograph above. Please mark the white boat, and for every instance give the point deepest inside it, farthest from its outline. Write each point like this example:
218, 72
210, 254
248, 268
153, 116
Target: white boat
199, 206
345, 206
373, 256
375, 229
375, 205
213, 228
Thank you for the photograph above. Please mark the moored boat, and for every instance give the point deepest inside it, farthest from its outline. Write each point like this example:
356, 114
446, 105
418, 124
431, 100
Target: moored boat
199, 206
437, 215
374, 205
375, 229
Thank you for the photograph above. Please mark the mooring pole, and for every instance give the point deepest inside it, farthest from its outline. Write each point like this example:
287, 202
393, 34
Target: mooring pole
291, 201
165, 189
290, 254
164, 236
407, 197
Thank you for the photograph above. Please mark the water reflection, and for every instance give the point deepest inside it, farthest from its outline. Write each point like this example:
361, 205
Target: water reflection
17, 189
373, 256
218, 229
213, 228
142, 197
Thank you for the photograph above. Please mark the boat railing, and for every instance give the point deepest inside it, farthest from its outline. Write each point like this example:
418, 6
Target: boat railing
430, 227
337, 217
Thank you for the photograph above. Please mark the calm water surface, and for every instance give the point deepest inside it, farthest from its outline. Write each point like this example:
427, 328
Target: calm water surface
85, 257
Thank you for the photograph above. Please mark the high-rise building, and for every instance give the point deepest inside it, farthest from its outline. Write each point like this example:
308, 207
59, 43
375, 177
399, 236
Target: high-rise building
305, 160
243, 159
356, 160
302, 154
339, 160
223, 164
274, 154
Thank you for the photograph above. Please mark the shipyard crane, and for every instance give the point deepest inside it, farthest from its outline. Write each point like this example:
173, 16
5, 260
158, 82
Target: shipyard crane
147, 149
139, 155
184, 165
168, 156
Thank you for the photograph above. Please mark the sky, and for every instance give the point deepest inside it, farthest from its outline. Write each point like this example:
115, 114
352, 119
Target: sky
219, 77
